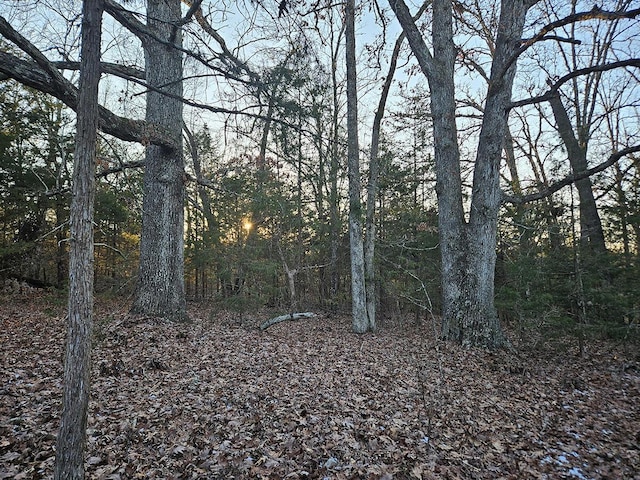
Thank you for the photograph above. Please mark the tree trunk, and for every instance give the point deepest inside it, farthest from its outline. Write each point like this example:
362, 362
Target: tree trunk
71, 441
372, 187
448, 181
468, 249
160, 290
591, 234
335, 223
481, 326
360, 321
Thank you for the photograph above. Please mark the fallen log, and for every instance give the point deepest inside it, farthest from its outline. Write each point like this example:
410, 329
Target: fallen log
282, 318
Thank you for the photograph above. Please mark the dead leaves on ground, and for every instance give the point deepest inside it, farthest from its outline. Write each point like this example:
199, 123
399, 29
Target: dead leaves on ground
309, 399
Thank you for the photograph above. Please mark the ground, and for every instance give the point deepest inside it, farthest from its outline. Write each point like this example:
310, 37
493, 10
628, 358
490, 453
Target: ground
218, 398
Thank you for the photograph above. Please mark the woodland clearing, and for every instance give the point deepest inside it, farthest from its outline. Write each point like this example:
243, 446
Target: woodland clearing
218, 398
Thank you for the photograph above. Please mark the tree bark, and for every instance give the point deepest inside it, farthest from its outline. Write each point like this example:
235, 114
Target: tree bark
360, 320
591, 233
468, 249
71, 441
160, 290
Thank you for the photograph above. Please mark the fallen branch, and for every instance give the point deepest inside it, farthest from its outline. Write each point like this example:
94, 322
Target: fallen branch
290, 316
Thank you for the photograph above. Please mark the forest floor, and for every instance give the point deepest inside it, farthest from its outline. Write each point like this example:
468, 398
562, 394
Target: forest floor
218, 398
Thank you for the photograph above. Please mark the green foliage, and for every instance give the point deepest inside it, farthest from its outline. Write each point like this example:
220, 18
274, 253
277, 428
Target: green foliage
36, 154
407, 249
35, 146
550, 295
234, 253
116, 236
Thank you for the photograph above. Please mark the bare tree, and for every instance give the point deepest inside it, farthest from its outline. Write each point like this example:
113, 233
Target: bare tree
360, 320
160, 288
374, 172
71, 440
576, 125
468, 245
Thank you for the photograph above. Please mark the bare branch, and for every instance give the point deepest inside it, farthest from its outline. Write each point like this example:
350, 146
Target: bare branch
569, 179
128, 20
31, 75
593, 14
54, 76
122, 71
558, 38
193, 8
632, 62
120, 168
418, 46
208, 28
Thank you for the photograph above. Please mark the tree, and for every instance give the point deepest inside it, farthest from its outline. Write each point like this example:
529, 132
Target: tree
360, 319
73, 424
582, 98
160, 288
35, 145
372, 186
468, 247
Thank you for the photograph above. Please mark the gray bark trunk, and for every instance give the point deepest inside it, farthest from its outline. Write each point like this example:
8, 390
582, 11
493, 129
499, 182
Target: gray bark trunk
591, 233
481, 326
160, 290
335, 224
372, 187
468, 249
360, 321
71, 441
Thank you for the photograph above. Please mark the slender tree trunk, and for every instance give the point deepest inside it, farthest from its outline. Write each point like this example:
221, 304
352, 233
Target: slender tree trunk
335, 224
160, 290
591, 233
71, 441
372, 188
358, 294
623, 208
518, 210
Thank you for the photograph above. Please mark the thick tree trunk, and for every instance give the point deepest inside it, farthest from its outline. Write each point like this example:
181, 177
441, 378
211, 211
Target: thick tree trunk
480, 324
468, 249
591, 233
71, 441
160, 289
360, 321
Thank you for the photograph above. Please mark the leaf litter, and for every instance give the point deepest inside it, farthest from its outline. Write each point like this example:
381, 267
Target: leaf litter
214, 398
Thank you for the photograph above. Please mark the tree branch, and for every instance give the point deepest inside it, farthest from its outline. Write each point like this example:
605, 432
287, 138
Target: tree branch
55, 78
120, 168
569, 179
208, 28
595, 13
418, 45
128, 20
193, 8
31, 75
632, 62
122, 71
140, 30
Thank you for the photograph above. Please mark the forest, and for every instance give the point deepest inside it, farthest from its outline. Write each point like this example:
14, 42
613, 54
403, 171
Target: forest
315, 239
